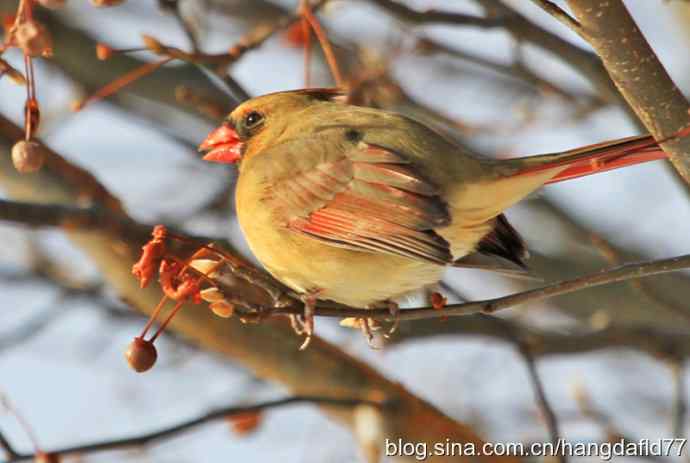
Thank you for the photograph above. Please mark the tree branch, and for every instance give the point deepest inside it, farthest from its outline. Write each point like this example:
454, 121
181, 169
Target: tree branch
585, 62
90, 218
655, 341
418, 18
7, 448
562, 16
184, 426
680, 405
489, 306
540, 395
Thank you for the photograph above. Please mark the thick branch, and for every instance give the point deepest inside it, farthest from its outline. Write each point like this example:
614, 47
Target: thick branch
638, 73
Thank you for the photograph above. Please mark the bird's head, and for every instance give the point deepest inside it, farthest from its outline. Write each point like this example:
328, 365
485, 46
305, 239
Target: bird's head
257, 121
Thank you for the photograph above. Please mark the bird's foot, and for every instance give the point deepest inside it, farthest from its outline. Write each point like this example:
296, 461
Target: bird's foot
394, 310
304, 324
369, 327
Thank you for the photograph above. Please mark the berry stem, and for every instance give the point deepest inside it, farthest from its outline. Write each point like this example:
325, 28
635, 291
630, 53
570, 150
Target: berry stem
154, 316
172, 314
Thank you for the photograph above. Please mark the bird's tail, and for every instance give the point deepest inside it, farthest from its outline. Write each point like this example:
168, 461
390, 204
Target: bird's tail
596, 158
478, 202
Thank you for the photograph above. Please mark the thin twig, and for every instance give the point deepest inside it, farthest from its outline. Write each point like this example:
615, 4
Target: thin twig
540, 396
174, 7
523, 345
320, 34
307, 53
612, 256
488, 306
34, 326
561, 15
409, 15
173, 431
613, 432
585, 62
680, 406
657, 342
516, 70
7, 447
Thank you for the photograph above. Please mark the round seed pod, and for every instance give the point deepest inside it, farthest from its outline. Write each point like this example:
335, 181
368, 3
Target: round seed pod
27, 156
141, 355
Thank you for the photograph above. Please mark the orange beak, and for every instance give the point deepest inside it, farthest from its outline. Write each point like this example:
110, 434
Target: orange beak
223, 145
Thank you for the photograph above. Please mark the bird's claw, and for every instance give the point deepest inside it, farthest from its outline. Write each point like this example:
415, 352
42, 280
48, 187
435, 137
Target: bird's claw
303, 324
394, 310
369, 328
365, 326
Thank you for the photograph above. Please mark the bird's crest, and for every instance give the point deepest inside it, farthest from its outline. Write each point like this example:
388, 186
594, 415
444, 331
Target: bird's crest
333, 94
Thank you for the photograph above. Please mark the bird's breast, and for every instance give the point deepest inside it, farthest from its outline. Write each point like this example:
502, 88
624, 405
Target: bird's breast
303, 263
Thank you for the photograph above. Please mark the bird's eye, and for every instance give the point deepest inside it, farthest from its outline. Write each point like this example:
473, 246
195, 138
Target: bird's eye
252, 119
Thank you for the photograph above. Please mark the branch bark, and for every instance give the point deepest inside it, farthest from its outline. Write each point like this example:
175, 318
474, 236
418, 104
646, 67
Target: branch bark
637, 72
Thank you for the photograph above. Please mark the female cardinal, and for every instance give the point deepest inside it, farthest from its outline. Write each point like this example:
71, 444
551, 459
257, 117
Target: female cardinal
360, 205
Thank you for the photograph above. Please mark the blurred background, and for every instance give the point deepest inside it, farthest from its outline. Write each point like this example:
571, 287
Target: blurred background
611, 360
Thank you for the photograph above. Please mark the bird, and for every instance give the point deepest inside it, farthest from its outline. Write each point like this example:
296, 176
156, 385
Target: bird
361, 206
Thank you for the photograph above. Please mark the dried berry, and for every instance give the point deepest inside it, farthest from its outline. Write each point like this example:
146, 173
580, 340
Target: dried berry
209, 294
43, 457
77, 105
103, 51
244, 423
152, 44
141, 355
296, 35
27, 156
438, 301
222, 309
150, 256
33, 38
177, 284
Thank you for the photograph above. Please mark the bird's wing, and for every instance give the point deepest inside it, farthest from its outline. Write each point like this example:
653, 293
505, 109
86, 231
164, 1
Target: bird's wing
369, 198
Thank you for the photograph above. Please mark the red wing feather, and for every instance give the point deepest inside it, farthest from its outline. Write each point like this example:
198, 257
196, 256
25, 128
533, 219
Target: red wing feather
371, 200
